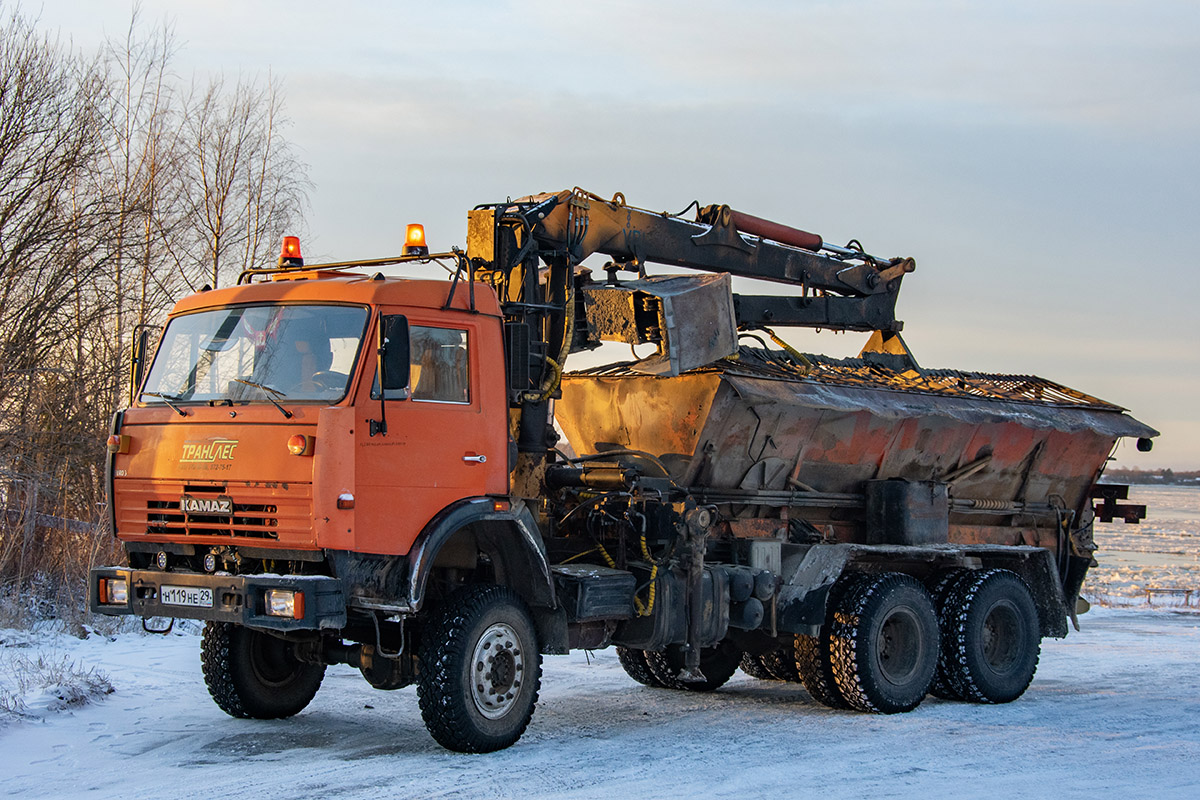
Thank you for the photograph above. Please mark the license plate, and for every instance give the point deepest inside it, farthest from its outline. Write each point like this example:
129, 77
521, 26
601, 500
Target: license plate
193, 596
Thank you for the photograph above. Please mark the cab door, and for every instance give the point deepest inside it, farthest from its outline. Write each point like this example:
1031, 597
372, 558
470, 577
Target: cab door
446, 437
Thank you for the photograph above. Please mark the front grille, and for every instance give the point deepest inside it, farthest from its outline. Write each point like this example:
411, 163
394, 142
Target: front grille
248, 519
261, 512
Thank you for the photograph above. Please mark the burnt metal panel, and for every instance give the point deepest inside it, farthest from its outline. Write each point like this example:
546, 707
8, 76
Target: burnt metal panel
689, 317
657, 415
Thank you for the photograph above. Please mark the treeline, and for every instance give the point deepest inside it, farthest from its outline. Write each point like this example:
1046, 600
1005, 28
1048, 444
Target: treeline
1160, 477
122, 188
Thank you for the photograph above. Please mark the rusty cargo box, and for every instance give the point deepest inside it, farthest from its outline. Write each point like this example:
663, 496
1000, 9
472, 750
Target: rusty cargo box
767, 437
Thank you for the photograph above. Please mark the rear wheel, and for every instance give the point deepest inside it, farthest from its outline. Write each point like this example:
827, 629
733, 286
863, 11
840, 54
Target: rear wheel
991, 637
940, 592
717, 664
781, 664
635, 666
884, 644
753, 666
251, 674
812, 653
480, 671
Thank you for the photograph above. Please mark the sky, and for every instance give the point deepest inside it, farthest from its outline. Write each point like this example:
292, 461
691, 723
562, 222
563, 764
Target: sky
1037, 158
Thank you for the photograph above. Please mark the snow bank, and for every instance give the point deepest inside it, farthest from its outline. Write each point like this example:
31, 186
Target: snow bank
37, 679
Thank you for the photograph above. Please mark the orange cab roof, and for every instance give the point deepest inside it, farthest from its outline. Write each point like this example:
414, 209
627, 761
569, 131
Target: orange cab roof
347, 288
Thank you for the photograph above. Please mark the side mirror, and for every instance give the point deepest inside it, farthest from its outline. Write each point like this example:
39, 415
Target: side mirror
137, 362
393, 354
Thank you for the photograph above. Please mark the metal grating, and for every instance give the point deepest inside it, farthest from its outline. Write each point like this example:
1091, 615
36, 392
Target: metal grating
857, 372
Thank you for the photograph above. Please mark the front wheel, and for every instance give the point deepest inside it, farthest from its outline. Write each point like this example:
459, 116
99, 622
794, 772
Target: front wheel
480, 671
252, 674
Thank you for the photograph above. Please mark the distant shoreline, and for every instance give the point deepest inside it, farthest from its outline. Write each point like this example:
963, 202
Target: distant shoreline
1151, 477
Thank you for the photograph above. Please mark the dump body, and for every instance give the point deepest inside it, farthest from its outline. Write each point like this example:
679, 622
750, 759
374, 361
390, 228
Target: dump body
1013, 464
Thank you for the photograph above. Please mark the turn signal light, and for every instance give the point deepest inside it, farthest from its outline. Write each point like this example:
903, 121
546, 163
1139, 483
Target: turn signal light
345, 500
289, 254
118, 443
113, 591
414, 240
301, 445
284, 603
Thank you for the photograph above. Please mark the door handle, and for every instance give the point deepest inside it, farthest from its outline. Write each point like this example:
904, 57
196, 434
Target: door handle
476, 459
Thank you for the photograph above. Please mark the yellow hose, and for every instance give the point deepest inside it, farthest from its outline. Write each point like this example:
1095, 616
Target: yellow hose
791, 351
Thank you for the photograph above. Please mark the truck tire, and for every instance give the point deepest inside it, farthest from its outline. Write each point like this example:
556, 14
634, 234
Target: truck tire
480, 670
716, 663
884, 644
753, 666
781, 664
812, 653
940, 590
253, 675
991, 637
634, 663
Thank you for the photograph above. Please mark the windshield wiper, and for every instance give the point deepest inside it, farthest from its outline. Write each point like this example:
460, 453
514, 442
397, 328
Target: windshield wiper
268, 391
167, 398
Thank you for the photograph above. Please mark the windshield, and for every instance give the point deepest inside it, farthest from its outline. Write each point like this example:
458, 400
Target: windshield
254, 353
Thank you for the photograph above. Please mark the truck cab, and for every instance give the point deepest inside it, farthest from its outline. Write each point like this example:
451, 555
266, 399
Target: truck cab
259, 421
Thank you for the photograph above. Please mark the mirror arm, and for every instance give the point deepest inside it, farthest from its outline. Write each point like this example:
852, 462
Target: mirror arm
380, 426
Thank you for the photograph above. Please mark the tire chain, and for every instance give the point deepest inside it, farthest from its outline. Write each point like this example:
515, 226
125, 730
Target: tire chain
954, 634
753, 666
813, 654
781, 664
660, 669
716, 671
941, 591
445, 721
844, 640
634, 663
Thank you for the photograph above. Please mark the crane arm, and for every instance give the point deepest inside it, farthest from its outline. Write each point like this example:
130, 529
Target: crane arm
857, 290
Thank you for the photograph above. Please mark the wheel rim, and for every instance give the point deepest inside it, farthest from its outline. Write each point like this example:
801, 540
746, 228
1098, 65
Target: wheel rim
901, 643
272, 660
1000, 637
497, 666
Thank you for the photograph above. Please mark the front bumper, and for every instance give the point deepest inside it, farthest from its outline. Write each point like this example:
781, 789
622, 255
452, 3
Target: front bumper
239, 599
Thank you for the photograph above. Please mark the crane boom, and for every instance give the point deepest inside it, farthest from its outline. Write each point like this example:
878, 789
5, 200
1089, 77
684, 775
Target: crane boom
839, 287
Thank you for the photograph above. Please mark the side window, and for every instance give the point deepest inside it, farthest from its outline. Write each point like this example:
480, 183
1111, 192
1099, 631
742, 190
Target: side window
439, 365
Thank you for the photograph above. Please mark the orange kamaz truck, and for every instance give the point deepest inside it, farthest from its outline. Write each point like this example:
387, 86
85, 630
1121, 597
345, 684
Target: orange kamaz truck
331, 466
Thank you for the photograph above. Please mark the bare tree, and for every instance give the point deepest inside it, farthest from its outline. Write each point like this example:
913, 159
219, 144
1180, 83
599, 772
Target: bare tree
141, 137
116, 197
245, 185
52, 225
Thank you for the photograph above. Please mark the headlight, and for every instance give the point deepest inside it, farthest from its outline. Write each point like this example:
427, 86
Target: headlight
114, 591
284, 603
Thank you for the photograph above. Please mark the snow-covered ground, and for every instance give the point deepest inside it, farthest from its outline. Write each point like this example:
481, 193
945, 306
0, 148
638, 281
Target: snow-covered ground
1114, 711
